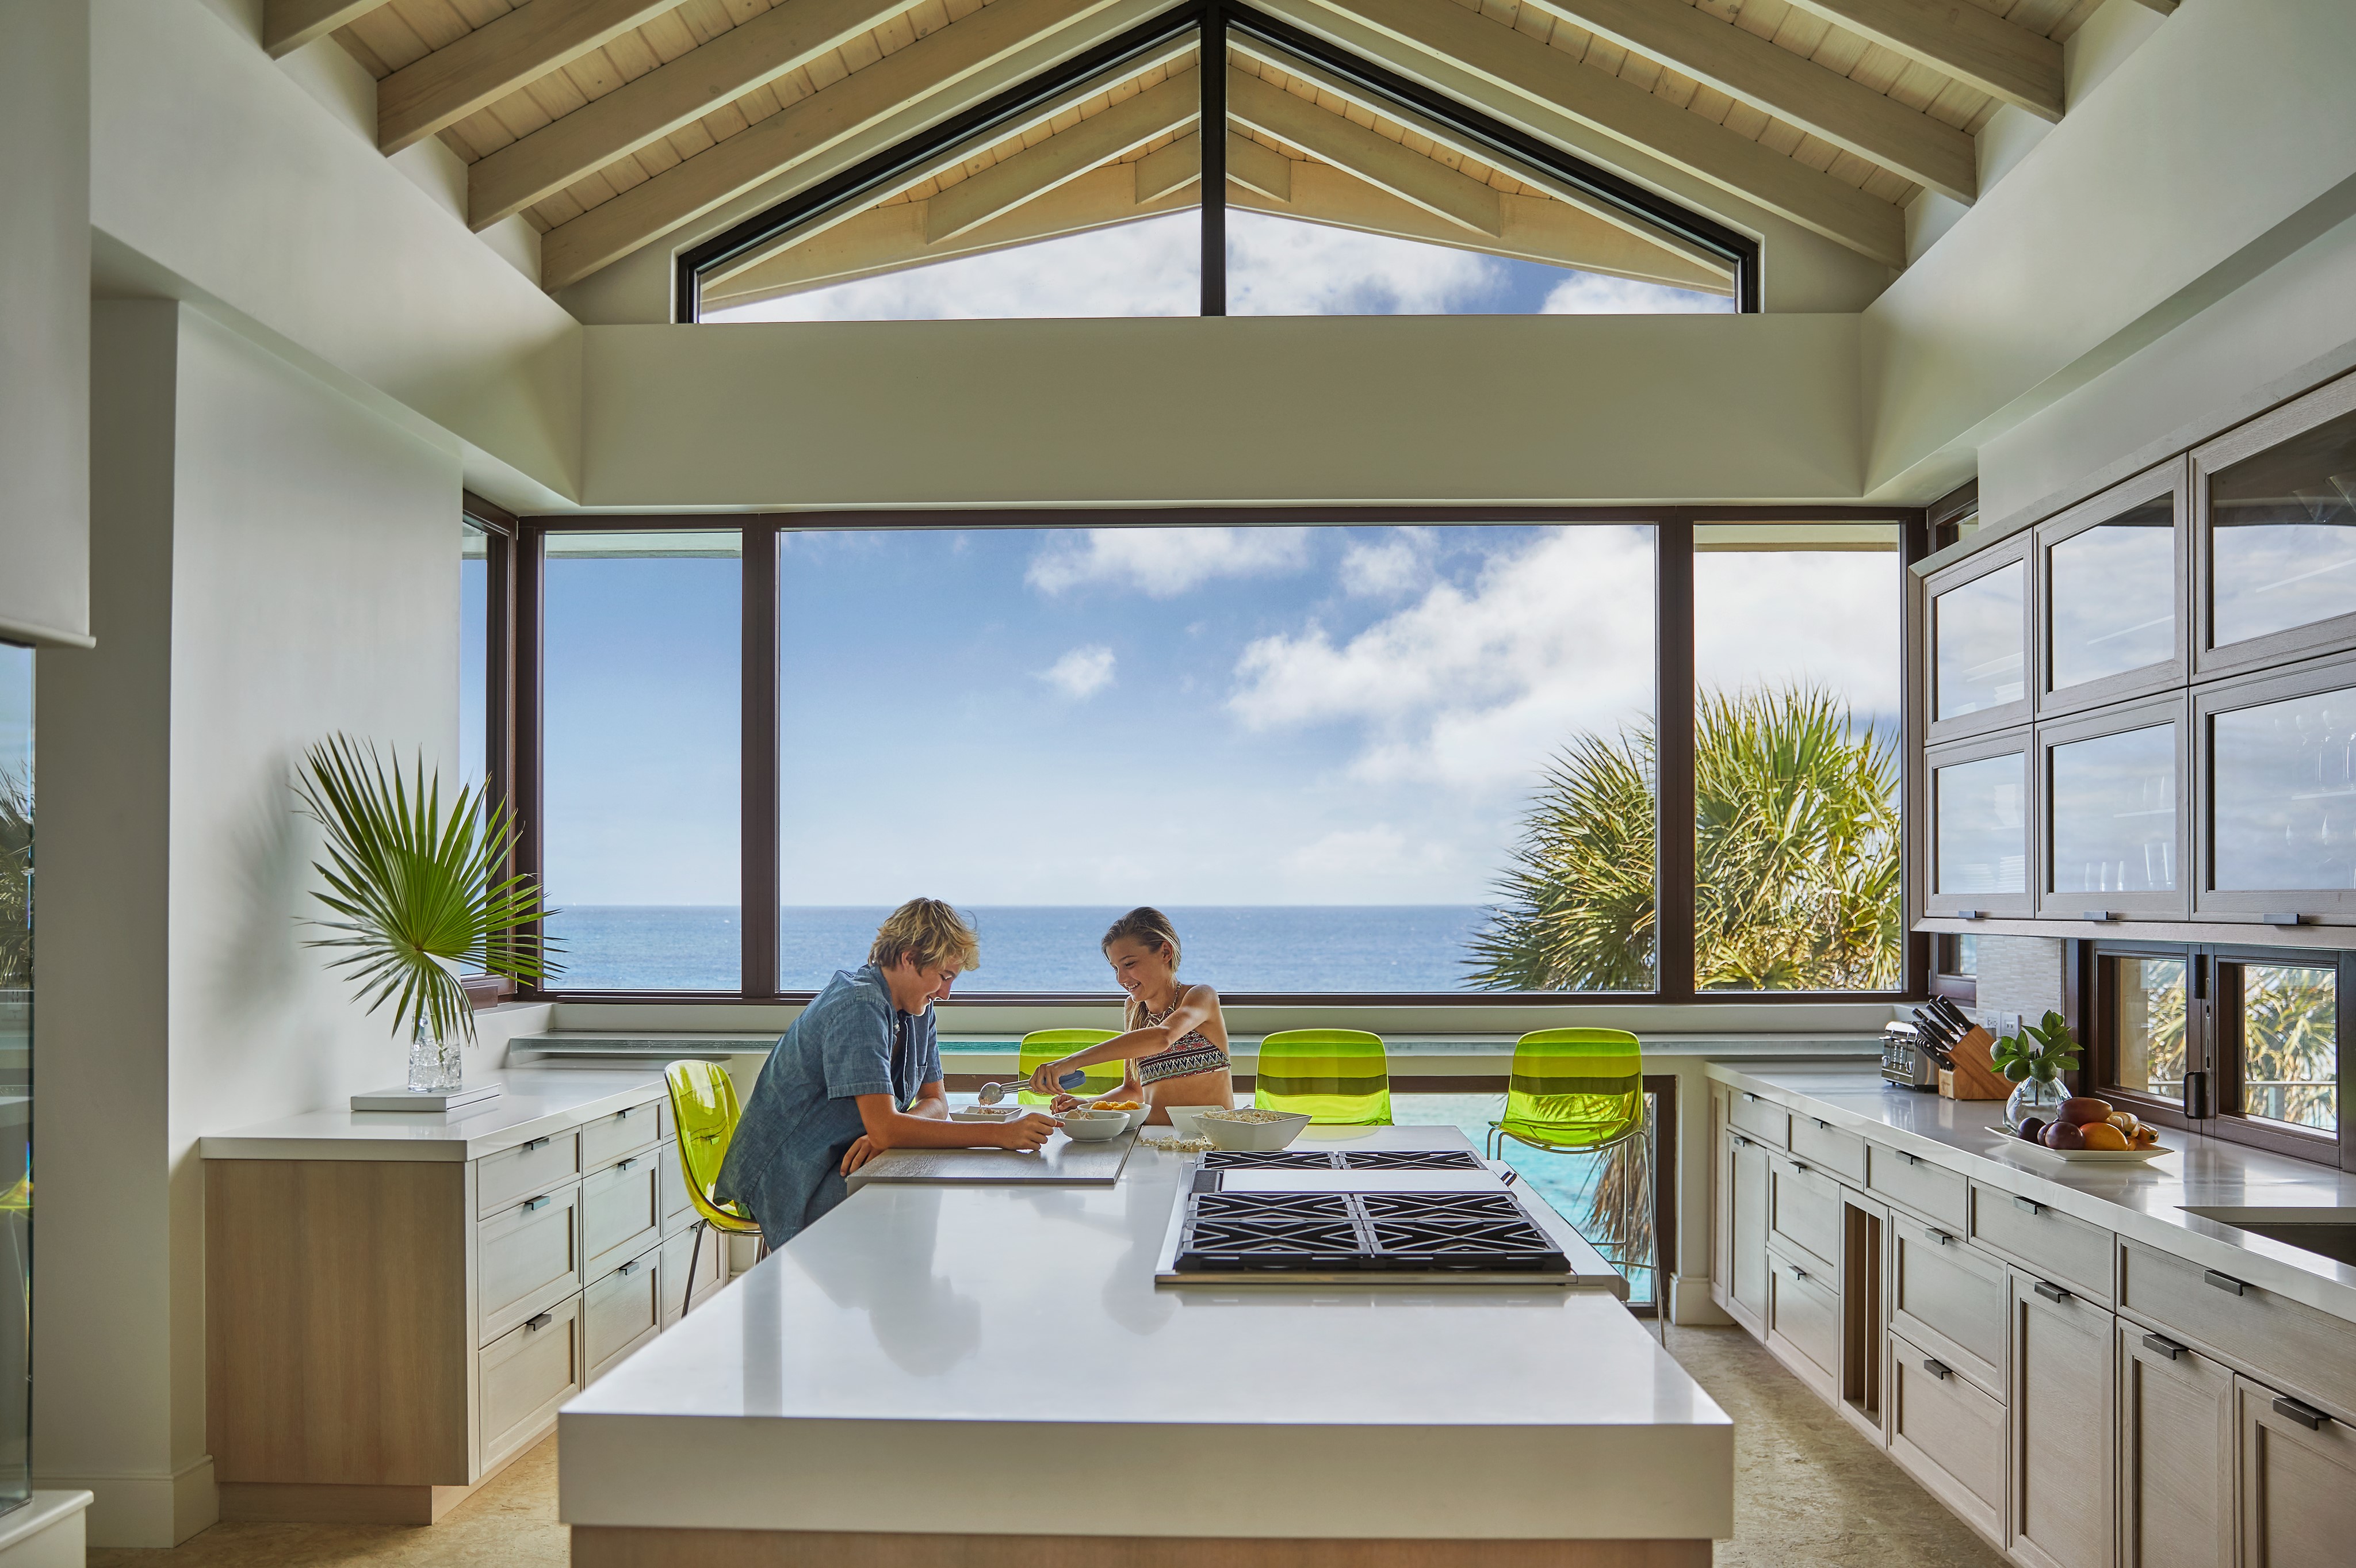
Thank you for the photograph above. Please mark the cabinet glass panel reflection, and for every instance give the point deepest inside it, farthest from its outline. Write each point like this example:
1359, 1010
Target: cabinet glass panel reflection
2282, 536
1976, 629
2114, 593
2114, 812
2283, 780
1982, 843
2146, 1006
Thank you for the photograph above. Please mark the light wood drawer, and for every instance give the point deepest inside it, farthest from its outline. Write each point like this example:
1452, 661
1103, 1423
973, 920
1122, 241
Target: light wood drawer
679, 1209
1912, 1182
1949, 1434
2302, 1351
1759, 1116
1950, 1296
542, 1165
2051, 1244
526, 1374
1804, 1319
621, 1312
621, 1212
1803, 1213
679, 1251
626, 1132
1821, 1144
527, 1255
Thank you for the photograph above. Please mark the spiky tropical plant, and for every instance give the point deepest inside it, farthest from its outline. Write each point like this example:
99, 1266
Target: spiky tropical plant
15, 884
419, 890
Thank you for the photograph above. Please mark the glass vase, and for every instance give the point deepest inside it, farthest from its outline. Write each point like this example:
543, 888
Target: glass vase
435, 1066
2039, 1097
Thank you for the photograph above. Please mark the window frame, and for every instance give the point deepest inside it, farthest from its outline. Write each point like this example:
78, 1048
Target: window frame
499, 528
2169, 480
759, 758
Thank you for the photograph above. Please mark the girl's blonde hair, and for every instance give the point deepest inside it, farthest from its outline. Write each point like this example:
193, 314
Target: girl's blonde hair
929, 933
1151, 928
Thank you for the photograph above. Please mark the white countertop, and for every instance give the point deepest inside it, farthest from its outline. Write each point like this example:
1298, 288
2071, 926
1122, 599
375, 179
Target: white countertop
534, 1102
2142, 1202
999, 1360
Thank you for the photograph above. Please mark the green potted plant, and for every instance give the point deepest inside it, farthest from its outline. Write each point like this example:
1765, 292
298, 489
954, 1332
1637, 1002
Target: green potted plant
2034, 1061
419, 895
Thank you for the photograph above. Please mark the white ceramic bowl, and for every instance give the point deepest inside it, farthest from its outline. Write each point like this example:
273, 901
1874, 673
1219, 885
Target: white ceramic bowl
1260, 1137
1089, 1126
1185, 1121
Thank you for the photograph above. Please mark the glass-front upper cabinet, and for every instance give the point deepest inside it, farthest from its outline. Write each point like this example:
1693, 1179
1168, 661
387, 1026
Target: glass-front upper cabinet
1975, 860
2116, 830
2111, 584
2274, 513
1975, 626
2277, 787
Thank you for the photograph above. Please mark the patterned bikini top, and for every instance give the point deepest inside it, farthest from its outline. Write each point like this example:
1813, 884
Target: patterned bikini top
1189, 1054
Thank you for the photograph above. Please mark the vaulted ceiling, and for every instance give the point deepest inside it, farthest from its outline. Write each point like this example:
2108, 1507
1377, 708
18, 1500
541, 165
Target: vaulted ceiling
611, 125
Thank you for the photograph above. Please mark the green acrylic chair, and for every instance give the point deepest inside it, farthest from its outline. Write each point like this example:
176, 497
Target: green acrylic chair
1337, 1077
1582, 1092
1041, 1047
704, 1111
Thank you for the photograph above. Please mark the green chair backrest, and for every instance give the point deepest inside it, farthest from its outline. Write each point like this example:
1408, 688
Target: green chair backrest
1043, 1046
1575, 1089
703, 1108
1339, 1077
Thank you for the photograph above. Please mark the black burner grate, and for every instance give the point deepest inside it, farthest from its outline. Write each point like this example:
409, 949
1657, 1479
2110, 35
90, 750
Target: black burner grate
1341, 1160
1279, 1160
1289, 1232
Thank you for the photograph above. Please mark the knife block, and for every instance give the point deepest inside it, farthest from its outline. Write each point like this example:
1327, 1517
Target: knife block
1973, 1077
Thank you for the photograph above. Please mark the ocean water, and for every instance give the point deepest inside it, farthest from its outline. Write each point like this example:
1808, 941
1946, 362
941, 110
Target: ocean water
1238, 947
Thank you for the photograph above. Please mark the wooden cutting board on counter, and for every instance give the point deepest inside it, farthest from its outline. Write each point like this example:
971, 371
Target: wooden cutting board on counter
1063, 1162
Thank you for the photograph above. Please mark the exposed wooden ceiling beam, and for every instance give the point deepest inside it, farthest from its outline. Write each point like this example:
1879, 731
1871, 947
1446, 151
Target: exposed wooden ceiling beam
288, 25
650, 107
1979, 49
1761, 73
496, 58
1255, 165
2165, 8
1373, 156
952, 57
1437, 42
1070, 152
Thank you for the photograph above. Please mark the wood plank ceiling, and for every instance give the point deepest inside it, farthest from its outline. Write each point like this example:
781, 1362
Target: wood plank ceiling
611, 125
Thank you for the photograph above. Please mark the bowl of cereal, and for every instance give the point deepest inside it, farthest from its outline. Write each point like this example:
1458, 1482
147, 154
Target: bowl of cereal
1259, 1131
1089, 1126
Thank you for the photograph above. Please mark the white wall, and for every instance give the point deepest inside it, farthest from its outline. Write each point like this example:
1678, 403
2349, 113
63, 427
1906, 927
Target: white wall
44, 320
276, 563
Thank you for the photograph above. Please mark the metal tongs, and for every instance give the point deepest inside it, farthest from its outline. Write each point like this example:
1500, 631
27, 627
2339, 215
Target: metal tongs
991, 1093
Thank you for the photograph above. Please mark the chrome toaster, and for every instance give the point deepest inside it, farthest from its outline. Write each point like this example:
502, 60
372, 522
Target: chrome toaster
1904, 1062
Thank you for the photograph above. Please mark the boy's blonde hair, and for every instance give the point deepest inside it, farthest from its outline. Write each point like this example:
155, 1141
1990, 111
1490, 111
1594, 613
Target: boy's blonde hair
929, 933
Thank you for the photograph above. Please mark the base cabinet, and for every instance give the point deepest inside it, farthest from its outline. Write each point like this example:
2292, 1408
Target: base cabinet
1746, 1170
1948, 1435
2298, 1482
2062, 1427
2176, 1455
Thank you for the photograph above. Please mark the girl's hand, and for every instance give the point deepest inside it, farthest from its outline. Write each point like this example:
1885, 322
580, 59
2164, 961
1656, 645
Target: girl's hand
1047, 1076
1063, 1102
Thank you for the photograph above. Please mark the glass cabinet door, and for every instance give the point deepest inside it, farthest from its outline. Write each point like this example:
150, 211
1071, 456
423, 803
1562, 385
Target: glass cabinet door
1980, 828
1978, 625
2110, 595
2277, 523
2279, 771
2115, 826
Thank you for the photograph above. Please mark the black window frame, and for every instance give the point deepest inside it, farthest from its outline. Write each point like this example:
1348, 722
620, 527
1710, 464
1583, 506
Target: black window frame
1214, 21
499, 528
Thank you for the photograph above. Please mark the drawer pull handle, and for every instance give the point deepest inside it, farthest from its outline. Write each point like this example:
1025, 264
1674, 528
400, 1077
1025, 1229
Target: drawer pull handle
2168, 1347
629, 1165
534, 1205
535, 1143
535, 1325
2306, 1414
1937, 1368
1944, 1238
1748, 1095
2052, 1292
1741, 1142
2223, 1282
1910, 1159
1797, 1273
1801, 1166
1822, 1122
629, 1268
2029, 1206
624, 1114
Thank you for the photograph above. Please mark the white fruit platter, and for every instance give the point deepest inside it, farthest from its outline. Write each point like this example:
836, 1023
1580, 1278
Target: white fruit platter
2084, 1156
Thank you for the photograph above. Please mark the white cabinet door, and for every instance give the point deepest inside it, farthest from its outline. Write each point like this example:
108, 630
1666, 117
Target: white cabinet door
2061, 1430
2176, 1455
2298, 1483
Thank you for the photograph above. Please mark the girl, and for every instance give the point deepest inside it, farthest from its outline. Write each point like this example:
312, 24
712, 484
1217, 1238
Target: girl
1176, 1045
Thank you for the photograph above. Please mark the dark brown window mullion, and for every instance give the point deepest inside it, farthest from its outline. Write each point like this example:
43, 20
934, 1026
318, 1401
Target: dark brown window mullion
1914, 973
527, 559
2098, 982
1673, 761
758, 760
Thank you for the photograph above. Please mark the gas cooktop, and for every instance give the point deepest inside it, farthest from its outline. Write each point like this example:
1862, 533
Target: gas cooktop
1342, 1160
1362, 1233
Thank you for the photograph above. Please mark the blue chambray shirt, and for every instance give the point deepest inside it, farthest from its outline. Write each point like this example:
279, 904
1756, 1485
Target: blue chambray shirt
785, 1160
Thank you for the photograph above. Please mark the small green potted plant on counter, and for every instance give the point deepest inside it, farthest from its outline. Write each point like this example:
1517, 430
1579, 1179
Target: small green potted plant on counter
2033, 1061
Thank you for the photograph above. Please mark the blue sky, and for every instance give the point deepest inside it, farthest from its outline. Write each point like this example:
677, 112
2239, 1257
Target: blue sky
1199, 716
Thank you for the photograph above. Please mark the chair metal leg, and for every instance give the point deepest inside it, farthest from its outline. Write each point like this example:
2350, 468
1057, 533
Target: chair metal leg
1660, 1255
695, 1256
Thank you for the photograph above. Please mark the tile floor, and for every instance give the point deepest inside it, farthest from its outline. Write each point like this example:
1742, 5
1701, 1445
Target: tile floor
1807, 1491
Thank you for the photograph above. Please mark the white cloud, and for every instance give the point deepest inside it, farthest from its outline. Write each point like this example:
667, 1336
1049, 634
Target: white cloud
1281, 266
1082, 672
1827, 618
1475, 686
1400, 563
1592, 294
1376, 852
1164, 563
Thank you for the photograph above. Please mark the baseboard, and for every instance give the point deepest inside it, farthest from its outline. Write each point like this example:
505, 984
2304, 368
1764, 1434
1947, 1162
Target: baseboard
297, 1502
605, 1546
144, 1510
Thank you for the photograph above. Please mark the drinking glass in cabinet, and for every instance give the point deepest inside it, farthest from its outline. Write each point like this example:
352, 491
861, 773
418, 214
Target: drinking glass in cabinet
2147, 1010
2281, 535
2114, 812
2113, 591
2282, 777
1982, 840
2290, 1044
1976, 629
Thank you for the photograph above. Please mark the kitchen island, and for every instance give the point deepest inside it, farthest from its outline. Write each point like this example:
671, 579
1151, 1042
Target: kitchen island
937, 1375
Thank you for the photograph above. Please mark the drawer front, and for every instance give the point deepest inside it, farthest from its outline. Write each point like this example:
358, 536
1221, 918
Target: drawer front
679, 1209
1948, 1435
679, 1253
620, 1312
1760, 1117
1803, 1316
2301, 1350
2049, 1244
1950, 1296
1803, 1213
621, 1212
526, 1374
1915, 1183
527, 1256
626, 1132
1822, 1145
542, 1165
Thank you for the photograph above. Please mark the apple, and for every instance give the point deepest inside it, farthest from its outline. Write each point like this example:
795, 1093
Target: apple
2084, 1109
2063, 1135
